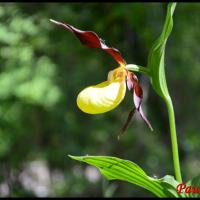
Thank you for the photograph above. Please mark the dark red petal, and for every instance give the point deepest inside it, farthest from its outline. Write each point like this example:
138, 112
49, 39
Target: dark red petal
131, 80
124, 128
92, 40
137, 97
145, 119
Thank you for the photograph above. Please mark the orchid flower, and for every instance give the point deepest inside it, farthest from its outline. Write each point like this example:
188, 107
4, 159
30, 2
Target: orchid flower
106, 96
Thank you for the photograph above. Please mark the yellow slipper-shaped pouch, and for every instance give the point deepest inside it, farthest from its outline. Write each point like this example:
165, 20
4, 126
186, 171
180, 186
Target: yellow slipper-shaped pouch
101, 98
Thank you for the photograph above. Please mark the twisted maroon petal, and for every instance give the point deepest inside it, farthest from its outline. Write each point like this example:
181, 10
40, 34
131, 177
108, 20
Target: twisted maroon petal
92, 40
136, 90
124, 128
145, 119
131, 80
137, 96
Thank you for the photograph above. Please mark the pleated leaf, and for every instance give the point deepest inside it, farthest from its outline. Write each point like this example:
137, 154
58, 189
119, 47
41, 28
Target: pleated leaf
118, 169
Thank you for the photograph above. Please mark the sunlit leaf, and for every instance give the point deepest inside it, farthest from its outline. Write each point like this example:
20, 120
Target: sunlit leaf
118, 169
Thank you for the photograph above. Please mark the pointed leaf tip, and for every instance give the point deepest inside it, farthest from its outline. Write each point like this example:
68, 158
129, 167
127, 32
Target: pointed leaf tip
75, 157
79, 158
70, 156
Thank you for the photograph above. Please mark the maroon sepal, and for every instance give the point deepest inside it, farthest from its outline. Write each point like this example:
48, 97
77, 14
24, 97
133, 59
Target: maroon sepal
92, 40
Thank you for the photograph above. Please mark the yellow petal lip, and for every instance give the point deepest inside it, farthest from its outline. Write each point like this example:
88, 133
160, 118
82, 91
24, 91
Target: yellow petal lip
101, 98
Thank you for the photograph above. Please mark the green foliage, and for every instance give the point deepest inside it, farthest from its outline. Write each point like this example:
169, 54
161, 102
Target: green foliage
194, 182
27, 75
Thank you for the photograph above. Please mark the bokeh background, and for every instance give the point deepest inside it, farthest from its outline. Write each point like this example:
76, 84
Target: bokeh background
42, 69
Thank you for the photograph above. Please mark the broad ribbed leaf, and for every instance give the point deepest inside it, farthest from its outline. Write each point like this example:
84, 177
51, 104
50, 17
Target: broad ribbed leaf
118, 169
157, 54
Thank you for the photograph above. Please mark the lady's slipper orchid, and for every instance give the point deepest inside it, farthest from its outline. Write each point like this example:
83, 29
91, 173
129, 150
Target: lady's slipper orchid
109, 94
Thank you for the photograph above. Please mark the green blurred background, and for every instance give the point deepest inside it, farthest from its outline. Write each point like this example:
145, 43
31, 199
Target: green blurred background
42, 69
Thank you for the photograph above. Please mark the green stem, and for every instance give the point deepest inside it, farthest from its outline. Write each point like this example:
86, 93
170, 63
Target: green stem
173, 139
137, 68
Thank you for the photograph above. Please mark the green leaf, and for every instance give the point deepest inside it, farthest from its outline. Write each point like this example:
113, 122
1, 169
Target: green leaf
170, 184
195, 182
118, 169
157, 55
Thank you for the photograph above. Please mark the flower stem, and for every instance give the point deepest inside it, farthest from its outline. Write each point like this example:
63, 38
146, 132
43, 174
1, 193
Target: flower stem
173, 139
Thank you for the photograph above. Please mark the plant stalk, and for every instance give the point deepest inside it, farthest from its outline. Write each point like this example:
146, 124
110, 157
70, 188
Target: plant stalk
174, 139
